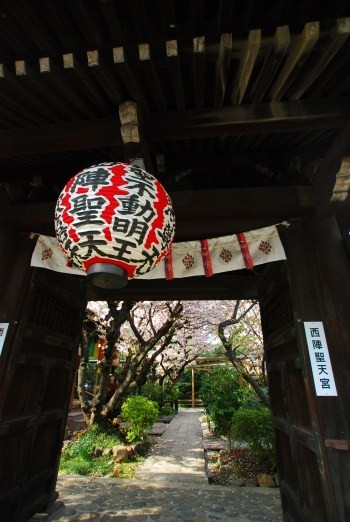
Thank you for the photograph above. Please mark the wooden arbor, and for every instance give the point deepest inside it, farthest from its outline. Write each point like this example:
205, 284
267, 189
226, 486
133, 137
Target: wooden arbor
243, 115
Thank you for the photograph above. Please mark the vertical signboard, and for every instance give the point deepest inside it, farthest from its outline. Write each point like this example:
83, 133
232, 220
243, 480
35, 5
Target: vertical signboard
3, 332
320, 360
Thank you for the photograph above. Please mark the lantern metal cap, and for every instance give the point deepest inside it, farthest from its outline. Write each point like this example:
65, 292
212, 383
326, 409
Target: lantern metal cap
108, 276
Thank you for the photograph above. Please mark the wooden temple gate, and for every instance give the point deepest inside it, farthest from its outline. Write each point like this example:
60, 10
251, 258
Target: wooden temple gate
243, 114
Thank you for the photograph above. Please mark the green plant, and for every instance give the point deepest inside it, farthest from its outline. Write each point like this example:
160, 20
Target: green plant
254, 426
167, 410
221, 394
250, 400
139, 413
174, 392
78, 457
102, 435
155, 392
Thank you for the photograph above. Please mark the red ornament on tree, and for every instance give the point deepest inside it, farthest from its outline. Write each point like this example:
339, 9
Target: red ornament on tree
114, 221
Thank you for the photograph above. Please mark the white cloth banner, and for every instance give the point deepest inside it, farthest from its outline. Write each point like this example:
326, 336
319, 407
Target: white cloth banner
226, 253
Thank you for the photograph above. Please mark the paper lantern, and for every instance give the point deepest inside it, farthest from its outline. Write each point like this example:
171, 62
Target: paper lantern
115, 221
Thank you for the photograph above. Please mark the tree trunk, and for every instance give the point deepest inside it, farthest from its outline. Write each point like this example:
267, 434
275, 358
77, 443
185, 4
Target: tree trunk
82, 392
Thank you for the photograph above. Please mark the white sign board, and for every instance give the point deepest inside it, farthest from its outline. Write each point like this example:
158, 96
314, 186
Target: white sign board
320, 361
3, 332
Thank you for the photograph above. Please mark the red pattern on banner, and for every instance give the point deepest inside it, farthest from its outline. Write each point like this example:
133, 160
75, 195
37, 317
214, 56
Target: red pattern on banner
188, 261
245, 251
208, 268
168, 265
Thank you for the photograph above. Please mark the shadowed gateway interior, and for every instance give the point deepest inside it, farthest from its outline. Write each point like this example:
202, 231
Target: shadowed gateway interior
235, 109
241, 110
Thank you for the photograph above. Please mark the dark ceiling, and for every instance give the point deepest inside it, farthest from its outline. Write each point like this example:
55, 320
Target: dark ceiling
238, 103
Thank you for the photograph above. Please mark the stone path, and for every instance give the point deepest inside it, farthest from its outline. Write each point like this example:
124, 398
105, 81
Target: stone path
179, 454
170, 487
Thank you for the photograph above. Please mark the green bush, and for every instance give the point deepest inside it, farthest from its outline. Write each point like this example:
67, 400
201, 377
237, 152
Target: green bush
251, 401
78, 458
139, 413
102, 435
160, 394
154, 392
254, 426
174, 392
167, 410
221, 394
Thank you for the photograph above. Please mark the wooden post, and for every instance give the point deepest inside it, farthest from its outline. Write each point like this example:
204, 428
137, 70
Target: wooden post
319, 276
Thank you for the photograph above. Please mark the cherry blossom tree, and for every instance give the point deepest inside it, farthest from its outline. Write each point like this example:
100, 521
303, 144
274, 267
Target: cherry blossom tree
103, 320
139, 332
239, 331
157, 341
192, 338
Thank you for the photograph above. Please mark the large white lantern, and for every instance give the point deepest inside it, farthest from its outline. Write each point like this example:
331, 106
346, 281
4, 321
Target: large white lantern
115, 221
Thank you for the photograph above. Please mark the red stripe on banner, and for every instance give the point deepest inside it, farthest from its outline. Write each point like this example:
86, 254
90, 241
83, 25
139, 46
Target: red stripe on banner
208, 269
168, 265
245, 250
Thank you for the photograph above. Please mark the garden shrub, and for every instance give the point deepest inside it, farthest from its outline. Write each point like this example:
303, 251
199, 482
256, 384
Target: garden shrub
154, 392
221, 394
140, 414
167, 410
251, 401
254, 426
77, 458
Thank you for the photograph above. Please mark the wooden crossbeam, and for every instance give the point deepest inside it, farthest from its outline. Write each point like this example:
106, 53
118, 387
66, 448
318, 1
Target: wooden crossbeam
200, 213
240, 120
232, 285
228, 121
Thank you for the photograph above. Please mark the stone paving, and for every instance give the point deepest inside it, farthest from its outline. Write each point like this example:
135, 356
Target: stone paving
171, 486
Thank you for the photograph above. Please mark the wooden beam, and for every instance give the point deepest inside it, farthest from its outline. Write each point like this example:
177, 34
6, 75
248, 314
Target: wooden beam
222, 68
249, 55
239, 284
335, 40
296, 59
175, 73
150, 76
128, 75
199, 214
325, 179
56, 80
106, 79
271, 64
60, 137
199, 71
266, 118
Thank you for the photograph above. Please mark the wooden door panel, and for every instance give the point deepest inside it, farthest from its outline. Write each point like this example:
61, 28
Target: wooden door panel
303, 482
41, 357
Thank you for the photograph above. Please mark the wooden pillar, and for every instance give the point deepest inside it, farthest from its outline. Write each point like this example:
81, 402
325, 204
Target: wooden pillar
319, 272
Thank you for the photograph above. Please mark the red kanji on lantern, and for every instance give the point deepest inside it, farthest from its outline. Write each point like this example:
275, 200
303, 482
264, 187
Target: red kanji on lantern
114, 215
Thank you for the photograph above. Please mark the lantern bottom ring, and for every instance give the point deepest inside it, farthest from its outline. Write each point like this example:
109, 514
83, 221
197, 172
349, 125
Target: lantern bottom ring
108, 276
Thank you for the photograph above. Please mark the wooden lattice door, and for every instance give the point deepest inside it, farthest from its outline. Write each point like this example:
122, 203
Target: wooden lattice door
38, 363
